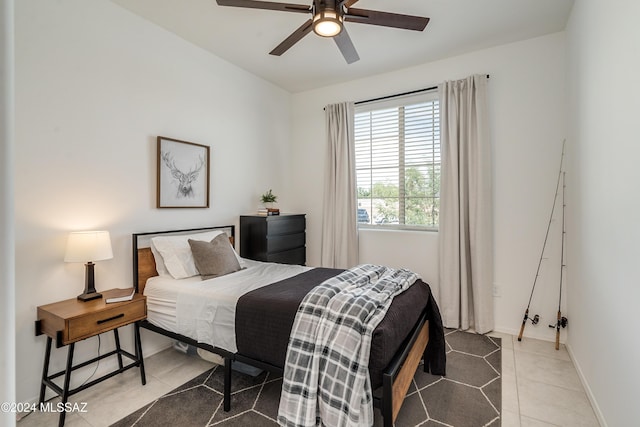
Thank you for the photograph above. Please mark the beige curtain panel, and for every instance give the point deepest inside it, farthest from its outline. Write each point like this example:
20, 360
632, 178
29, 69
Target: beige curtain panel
466, 211
339, 222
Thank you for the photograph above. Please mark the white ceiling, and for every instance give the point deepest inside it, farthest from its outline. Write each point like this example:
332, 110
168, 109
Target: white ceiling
245, 37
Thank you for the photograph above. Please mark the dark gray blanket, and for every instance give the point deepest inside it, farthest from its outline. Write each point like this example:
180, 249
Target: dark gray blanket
265, 316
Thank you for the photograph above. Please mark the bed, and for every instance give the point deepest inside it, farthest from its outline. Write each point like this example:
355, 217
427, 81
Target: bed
248, 316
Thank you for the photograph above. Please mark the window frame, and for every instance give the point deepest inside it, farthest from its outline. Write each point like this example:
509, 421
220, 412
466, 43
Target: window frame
398, 103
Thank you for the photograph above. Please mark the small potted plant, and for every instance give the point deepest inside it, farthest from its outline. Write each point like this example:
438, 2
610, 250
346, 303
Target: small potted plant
268, 199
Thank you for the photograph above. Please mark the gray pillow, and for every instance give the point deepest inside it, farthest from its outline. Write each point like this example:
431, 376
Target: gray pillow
215, 258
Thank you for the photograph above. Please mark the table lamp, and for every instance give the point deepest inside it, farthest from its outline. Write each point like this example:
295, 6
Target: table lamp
88, 246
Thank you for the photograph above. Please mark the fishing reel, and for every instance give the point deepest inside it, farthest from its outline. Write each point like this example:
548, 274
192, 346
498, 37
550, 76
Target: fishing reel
535, 319
562, 322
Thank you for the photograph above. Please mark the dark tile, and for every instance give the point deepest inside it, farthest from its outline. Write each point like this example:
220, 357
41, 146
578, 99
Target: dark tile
448, 332
241, 401
457, 404
493, 391
495, 359
466, 342
129, 420
247, 419
269, 399
497, 341
192, 407
412, 387
497, 422
412, 411
468, 369
431, 423
423, 379
239, 381
199, 380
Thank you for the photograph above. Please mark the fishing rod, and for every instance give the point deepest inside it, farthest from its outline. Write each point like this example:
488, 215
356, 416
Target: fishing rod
536, 318
561, 321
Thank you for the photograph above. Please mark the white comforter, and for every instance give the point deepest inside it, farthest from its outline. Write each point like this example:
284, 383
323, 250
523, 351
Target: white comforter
205, 310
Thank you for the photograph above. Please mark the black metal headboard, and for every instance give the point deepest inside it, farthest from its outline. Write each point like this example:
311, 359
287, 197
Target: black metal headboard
143, 263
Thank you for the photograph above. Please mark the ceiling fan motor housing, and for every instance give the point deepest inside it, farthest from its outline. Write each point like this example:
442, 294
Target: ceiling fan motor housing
328, 17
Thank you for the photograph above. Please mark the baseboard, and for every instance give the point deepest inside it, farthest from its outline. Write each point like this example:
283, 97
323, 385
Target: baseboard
587, 389
151, 350
534, 333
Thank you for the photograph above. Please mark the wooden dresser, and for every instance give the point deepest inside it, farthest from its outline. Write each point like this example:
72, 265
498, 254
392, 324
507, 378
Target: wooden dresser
279, 238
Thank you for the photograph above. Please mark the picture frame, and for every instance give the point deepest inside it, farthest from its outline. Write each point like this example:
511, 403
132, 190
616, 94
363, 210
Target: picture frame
183, 174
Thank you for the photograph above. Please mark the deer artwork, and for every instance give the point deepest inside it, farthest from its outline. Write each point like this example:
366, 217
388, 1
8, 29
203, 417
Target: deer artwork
184, 179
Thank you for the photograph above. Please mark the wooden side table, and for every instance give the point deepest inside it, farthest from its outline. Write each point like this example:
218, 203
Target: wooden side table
72, 320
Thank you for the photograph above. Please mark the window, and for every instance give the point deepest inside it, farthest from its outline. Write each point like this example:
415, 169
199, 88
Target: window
397, 145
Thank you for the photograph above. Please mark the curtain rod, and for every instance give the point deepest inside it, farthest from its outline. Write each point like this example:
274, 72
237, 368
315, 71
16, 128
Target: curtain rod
398, 94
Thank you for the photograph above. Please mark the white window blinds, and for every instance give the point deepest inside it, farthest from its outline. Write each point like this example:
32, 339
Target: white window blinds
397, 144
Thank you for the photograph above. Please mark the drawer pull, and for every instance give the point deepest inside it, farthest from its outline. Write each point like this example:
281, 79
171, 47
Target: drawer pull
117, 316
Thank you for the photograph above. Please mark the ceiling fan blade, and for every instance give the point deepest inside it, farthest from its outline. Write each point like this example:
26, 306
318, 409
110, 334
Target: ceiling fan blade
346, 46
294, 38
349, 3
254, 4
386, 19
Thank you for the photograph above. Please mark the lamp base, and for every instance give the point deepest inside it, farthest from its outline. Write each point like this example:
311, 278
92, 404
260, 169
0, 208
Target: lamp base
89, 284
90, 296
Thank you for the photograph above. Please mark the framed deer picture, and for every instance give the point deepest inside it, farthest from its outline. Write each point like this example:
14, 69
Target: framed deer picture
183, 174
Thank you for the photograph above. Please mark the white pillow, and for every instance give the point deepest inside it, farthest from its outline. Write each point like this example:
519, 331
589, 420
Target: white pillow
160, 268
176, 252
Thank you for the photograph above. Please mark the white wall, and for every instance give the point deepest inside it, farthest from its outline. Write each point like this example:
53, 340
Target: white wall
603, 224
527, 110
95, 85
7, 235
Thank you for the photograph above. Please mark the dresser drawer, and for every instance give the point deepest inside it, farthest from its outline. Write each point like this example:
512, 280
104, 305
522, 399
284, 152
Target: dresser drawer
285, 242
294, 256
116, 315
286, 225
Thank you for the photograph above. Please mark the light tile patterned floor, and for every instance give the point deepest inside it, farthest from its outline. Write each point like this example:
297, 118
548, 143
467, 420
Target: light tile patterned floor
540, 387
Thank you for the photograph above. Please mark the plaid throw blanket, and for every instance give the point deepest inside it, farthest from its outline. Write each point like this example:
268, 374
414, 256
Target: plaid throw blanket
326, 380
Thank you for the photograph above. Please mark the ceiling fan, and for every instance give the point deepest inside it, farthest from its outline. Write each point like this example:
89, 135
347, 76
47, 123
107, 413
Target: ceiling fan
327, 20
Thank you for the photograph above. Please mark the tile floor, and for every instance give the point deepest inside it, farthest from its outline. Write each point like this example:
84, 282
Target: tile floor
540, 387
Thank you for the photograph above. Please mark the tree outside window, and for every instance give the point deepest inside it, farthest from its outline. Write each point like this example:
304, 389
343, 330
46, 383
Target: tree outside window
398, 163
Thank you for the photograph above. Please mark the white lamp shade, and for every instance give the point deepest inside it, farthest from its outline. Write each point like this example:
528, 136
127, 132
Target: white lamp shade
85, 246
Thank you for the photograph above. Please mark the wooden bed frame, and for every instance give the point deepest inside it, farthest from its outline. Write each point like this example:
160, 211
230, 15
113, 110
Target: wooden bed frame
396, 378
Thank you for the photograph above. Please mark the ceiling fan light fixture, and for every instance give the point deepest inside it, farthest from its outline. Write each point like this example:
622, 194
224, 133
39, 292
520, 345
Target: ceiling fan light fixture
327, 23
327, 20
